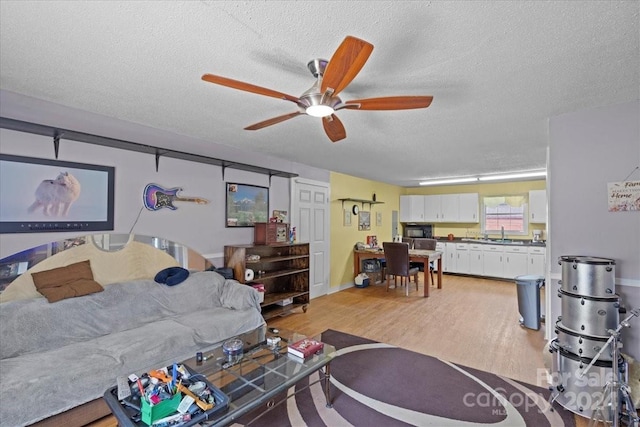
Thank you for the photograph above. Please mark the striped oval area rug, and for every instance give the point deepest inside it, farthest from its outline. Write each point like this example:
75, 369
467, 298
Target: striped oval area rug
375, 384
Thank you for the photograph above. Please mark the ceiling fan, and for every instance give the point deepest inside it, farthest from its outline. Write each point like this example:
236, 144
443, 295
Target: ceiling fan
321, 100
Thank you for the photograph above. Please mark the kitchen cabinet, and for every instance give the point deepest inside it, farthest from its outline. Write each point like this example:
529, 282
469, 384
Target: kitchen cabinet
449, 208
283, 269
432, 208
441, 208
441, 247
468, 207
412, 208
537, 261
515, 261
462, 207
493, 260
538, 206
462, 258
476, 260
451, 265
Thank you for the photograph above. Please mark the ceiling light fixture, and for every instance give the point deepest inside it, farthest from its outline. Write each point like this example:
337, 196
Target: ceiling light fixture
518, 175
319, 110
467, 179
449, 181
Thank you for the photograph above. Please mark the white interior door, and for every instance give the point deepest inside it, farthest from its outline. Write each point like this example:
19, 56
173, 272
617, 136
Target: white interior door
310, 216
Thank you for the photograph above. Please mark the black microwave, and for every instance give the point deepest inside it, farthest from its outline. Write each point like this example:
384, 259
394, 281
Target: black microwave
418, 231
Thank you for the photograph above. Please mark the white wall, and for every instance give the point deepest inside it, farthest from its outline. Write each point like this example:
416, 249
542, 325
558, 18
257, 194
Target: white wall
201, 227
587, 150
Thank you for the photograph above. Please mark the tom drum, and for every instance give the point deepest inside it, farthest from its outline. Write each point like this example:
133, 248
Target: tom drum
582, 344
589, 315
585, 275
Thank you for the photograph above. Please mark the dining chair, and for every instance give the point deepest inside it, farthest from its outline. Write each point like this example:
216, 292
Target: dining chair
429, 244
397, 256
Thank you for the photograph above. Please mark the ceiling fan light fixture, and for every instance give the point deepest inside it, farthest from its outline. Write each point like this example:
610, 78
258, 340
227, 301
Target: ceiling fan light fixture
319, 110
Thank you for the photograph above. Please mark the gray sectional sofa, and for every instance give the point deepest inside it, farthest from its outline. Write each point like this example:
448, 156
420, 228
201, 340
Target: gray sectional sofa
58, 356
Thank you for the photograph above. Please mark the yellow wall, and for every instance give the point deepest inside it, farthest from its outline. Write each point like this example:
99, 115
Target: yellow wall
492, 189
343, 238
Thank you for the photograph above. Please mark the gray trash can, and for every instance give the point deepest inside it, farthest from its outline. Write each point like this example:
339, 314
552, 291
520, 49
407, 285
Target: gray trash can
529, 300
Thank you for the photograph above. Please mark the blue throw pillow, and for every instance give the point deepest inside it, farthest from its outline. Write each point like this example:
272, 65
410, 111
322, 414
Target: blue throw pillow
172, 276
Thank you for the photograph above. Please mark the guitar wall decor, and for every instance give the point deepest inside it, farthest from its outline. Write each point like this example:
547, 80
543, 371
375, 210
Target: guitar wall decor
156, 197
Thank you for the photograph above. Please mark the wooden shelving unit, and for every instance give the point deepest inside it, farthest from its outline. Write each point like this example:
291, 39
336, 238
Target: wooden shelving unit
286, 273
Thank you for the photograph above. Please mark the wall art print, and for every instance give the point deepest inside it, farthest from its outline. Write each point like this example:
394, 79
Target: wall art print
364, 221
246, 205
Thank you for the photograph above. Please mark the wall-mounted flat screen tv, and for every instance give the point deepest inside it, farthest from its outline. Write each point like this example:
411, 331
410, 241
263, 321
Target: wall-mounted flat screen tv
42, 195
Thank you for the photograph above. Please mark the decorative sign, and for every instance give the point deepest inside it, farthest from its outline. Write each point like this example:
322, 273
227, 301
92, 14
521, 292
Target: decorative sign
624, 196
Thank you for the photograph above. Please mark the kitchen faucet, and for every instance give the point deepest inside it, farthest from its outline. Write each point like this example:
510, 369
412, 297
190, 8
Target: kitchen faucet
502, 232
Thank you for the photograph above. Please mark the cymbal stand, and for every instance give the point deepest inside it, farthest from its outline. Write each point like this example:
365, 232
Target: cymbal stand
618, 391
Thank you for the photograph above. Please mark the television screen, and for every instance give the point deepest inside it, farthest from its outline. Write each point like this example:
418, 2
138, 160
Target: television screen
40, 195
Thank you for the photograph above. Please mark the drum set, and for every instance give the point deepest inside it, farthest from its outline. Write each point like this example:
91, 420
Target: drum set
589, 375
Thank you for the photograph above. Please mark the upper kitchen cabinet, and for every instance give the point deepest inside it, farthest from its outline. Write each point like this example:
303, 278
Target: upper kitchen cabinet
538, 206
412, 208
469, 204
462, 207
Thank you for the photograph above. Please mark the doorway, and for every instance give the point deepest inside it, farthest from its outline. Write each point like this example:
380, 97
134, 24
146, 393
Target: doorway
310, 216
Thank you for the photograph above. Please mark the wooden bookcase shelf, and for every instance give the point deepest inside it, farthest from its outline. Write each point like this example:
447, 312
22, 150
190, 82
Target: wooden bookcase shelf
285, 277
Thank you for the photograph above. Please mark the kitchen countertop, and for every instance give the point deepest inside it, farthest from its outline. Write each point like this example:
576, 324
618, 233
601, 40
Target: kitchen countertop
506, 242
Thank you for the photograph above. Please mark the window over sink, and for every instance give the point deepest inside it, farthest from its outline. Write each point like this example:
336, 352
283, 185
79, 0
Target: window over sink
509, 212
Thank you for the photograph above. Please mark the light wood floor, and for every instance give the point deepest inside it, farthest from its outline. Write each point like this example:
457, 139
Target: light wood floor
470, 321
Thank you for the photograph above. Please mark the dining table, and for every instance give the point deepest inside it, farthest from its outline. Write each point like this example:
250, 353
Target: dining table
423, 256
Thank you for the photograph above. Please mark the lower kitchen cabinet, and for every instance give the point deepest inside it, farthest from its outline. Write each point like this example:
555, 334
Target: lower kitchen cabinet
499, 261
462, 258
515, 261
451, 266
537, 261
493, 260
476, 260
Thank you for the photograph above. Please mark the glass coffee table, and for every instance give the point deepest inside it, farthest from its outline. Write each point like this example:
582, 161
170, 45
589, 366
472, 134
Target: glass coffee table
253, 382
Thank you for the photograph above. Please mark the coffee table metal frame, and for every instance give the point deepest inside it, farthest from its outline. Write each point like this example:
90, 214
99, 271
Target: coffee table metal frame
263, 373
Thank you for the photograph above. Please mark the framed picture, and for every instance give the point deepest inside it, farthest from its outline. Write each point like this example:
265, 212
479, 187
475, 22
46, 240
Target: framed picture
246, 205
364, 220
378, 219
347, 218
44, 195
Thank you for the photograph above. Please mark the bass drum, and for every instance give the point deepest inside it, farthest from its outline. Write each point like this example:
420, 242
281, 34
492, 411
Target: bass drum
583, 395
586, 275
589, 315
582, 344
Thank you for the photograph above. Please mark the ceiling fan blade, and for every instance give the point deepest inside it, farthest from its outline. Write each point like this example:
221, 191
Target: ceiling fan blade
334, 128
345, 64
273, 121
389, 103
236, 84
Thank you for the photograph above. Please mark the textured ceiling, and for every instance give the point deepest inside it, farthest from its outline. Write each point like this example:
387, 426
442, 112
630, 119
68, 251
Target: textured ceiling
497, 71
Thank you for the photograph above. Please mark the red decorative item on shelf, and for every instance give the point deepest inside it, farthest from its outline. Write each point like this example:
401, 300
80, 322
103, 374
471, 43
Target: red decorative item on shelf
305, 347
